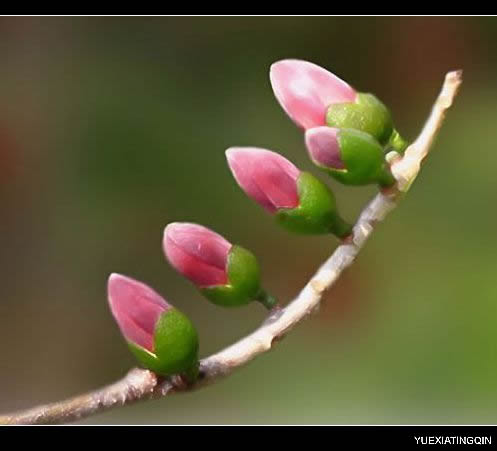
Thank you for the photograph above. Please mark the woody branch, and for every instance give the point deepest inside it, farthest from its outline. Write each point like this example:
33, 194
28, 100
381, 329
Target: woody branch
140, 384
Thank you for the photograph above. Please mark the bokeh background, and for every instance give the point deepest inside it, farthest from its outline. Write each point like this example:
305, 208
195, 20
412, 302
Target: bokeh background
112, 127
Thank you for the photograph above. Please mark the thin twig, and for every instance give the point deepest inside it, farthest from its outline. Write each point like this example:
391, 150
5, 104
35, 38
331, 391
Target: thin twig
141, 384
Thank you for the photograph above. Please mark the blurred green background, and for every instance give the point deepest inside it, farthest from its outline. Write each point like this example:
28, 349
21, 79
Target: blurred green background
112, 127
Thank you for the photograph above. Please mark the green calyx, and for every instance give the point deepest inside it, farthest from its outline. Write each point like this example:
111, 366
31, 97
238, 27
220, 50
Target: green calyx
363, 158
243, 281
366, 114
175, 347
317, 211
369, 115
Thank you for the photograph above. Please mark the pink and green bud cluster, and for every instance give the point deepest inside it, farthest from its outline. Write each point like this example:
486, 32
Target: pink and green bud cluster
299, 201
315, 98
346, 133
226, 274
161, 337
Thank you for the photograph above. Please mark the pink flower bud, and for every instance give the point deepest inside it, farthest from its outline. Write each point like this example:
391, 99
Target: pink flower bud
266, 177
198, 253
306, 90
136, 309
324, 148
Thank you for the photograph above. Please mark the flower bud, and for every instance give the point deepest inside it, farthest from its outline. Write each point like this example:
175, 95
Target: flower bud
161, 337
226, 274
314, 97
299, 201
350, 156
306, 90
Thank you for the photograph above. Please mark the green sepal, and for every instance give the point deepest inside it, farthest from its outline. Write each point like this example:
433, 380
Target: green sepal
317, 210
366, 114
398, 143
243, 280
175, 347
363, 158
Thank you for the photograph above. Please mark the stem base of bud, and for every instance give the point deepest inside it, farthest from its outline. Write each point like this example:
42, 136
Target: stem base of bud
267, 300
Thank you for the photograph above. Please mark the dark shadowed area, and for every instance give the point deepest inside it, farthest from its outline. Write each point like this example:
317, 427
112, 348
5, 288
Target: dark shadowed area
110, 128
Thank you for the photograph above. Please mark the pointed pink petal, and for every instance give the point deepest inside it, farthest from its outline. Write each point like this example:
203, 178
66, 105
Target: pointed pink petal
266, 177
136, 308
306, 90
324, 149
198, 253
